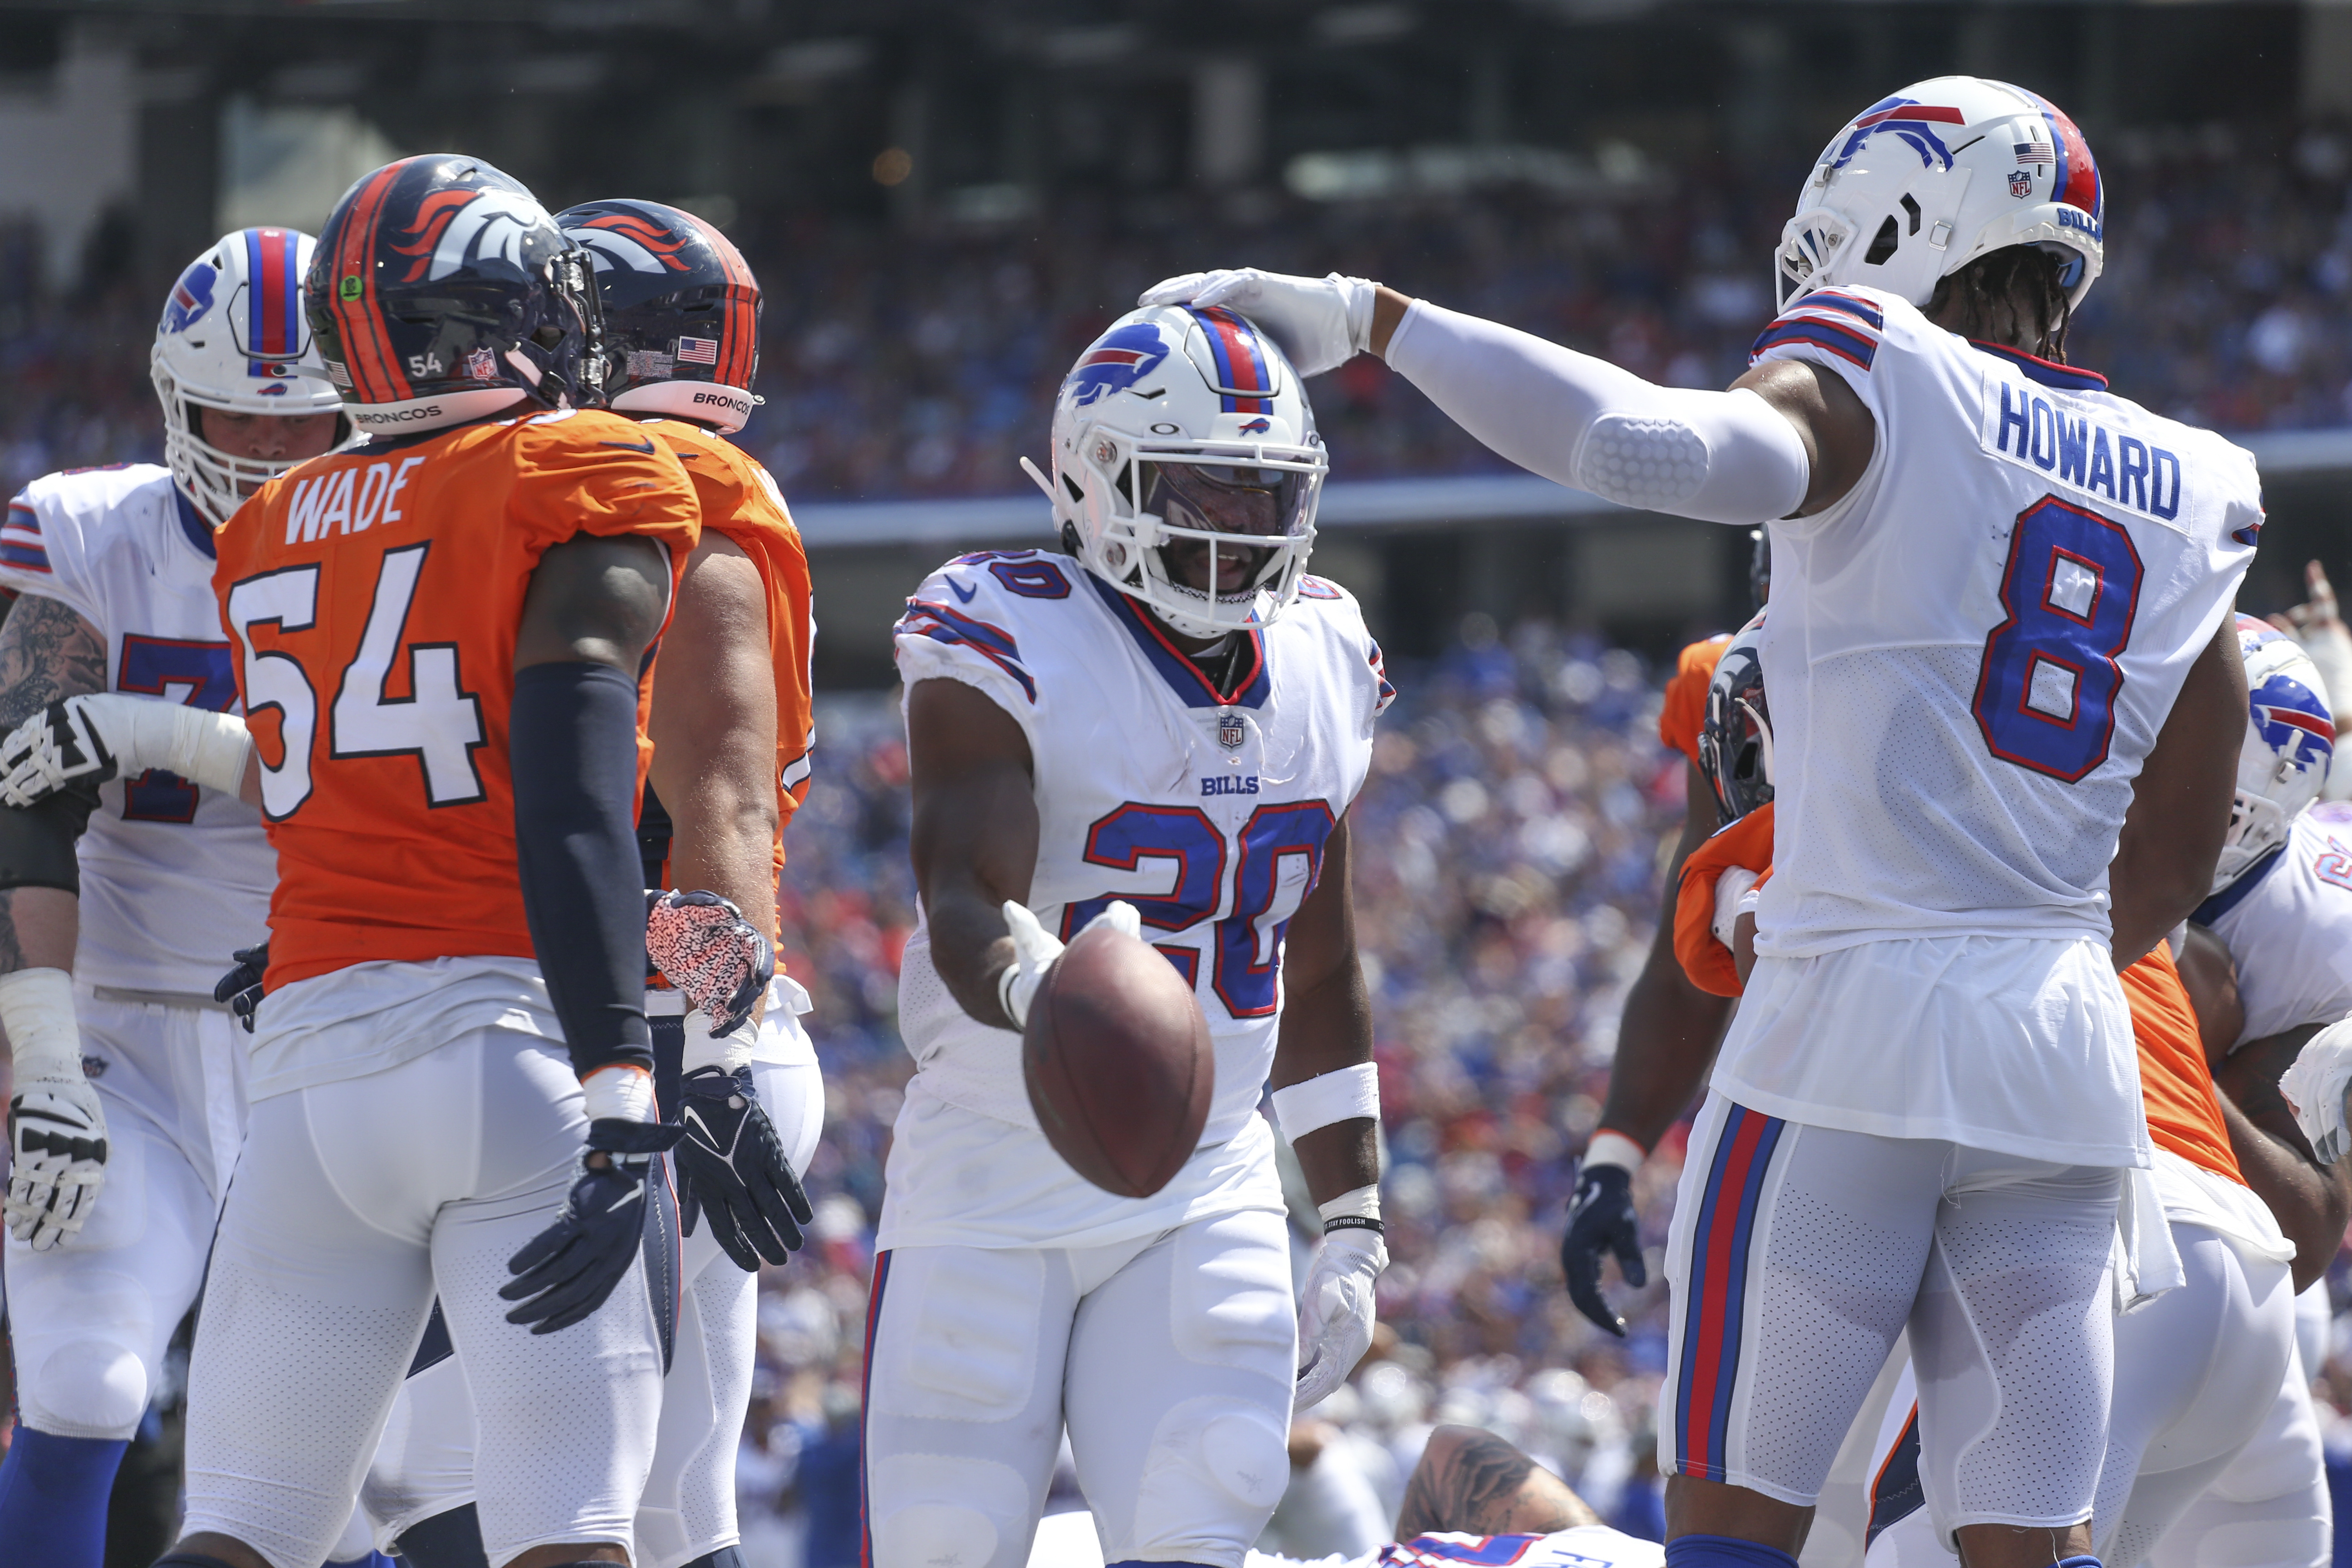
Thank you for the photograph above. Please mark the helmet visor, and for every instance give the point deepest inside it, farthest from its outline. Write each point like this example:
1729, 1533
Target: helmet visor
1269, 504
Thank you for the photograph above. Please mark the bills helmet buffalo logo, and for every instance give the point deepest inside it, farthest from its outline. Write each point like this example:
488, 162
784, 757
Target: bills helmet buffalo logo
192, 296
1119, 358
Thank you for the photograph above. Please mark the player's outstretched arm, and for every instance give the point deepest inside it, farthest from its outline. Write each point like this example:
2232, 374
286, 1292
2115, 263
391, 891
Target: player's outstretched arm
974, 836
2311, 1202
1778, 445
1327, 1099
592, 608
2180, 804
57, 1128
1665, 1043
1471, 1482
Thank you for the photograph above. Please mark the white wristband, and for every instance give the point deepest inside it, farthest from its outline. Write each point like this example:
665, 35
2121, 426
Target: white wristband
1609, 1148
1340, 1095
1729, 889
619, 1093
1357, 1203
725, 1052
36, 1008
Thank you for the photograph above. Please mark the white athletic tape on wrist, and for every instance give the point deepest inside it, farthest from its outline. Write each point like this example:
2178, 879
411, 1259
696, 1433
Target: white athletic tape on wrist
619, 1093
201, 746
725, 1052
1340, 1095
1733, 886
1357, 1203
1609, 1148
36, 1008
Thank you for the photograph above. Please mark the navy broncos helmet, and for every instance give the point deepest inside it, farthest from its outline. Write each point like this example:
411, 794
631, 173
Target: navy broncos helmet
441, 292
681, 311
1735, 743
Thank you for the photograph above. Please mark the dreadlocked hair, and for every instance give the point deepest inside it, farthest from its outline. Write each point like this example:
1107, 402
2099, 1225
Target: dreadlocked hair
2011, 295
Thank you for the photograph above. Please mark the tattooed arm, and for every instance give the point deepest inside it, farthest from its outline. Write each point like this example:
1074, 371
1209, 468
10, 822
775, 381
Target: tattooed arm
47, 652
1476, 1483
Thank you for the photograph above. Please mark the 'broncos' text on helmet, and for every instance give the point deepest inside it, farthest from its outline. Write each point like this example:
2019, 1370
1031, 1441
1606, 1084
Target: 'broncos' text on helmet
442, 292
1735, 742
681, 311
1186, 431
2290, 740
234, 337
1919, 184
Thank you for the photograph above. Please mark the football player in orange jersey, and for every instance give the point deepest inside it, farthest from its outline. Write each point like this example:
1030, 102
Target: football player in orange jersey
2210, 1344
443, 641
731, 731
1668, 1034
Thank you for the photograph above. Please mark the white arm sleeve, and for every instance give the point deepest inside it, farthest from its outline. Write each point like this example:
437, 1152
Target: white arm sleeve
1719, 457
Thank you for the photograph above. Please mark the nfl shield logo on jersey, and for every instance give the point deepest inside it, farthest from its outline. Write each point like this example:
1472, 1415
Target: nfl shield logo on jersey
1229, 730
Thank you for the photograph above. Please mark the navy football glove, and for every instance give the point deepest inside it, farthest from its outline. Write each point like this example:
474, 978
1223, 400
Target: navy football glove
1601, 1220
732, 1163
564, 1273
241, 986
704, 946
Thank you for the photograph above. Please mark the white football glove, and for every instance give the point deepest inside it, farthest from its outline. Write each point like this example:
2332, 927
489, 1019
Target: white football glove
1335, 1313
2315, 1087
1320, 323
1035, 948
56, 1132
99, 735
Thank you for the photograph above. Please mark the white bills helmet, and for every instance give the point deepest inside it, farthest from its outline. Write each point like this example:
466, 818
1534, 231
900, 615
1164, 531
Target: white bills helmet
2290, 739
234, 337
1919, 184
1187, 429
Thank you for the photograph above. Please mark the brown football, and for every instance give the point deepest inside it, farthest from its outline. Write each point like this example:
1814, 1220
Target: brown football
1118, 1064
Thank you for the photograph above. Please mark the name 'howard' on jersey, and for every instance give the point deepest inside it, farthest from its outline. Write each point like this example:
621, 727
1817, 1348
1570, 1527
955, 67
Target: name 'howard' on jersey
1206, 810
173, 877
1970, 655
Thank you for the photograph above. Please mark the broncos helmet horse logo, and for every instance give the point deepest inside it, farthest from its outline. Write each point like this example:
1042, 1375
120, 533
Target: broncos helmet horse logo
624, 239
452, 227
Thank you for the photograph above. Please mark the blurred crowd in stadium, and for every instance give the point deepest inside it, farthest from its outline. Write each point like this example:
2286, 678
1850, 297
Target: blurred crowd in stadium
905, 363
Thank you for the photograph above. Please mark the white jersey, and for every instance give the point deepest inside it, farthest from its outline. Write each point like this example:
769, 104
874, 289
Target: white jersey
1206, 810
1970, 657
173, 877
2288, 923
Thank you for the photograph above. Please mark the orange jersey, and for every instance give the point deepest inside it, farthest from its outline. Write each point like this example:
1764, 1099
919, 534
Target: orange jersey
741, 501
373, 597
2184, 1110
1684, 713
1747, 843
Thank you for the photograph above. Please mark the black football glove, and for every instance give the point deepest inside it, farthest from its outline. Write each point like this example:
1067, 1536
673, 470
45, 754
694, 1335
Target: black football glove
241, 986
564, 1273
1601, 1220
732, 1164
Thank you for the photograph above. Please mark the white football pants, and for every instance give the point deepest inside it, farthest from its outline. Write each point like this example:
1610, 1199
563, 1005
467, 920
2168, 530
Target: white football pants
358, 1200
1170, 1358
1799, 1253
90, 1317
2198, 1374
425, 1464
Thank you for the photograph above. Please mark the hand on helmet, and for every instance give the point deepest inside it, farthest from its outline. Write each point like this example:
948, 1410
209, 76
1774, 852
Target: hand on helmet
1320, 323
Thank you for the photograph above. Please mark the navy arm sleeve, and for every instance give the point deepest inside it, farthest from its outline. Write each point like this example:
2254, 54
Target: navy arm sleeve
573, 743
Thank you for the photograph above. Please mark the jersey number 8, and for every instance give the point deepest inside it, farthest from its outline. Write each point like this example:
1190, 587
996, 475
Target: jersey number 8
439, 722
2046, 692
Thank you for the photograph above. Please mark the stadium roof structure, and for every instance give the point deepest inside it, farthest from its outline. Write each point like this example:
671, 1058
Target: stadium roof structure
1375, 504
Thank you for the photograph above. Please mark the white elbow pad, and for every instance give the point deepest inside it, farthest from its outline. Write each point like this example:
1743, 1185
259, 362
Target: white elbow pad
1718, 457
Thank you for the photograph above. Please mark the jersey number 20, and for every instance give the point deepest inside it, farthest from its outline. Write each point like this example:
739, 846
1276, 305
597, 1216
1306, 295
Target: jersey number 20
439, 722
2046, 692
1278, 860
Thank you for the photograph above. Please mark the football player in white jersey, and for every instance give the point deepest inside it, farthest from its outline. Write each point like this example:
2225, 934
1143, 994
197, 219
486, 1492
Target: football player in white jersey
129, 1101
1169, 715
2006, 692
